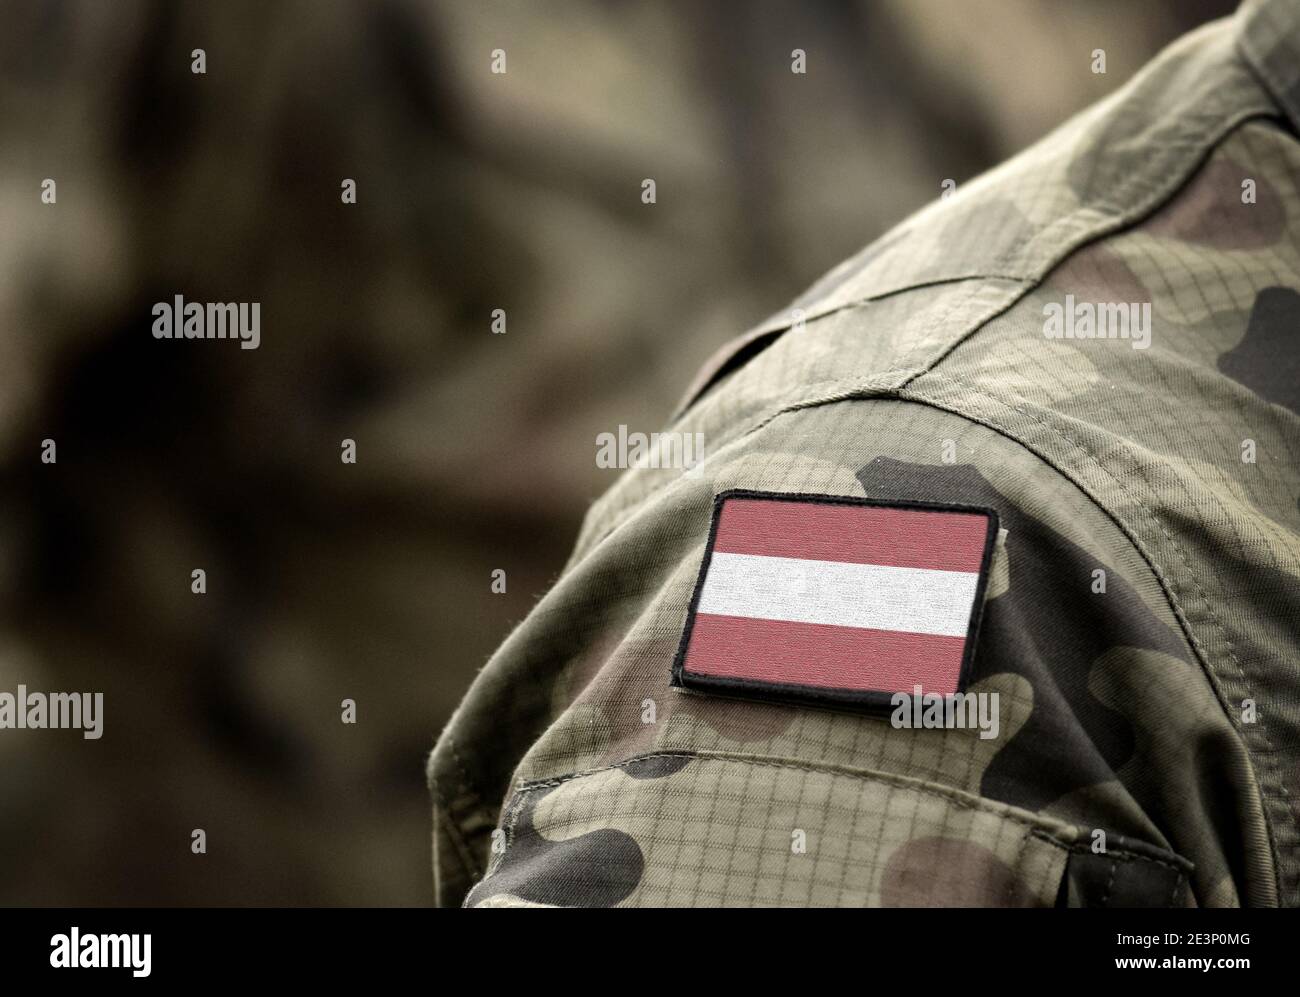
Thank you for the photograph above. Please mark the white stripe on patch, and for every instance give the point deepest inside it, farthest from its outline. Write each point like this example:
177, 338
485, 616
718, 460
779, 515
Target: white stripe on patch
838, 593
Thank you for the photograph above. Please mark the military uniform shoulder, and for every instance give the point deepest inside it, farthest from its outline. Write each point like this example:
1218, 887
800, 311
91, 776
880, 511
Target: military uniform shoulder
999, 235
1109, 165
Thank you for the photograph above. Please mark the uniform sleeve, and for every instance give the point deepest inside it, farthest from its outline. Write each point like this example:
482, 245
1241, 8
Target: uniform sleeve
577, 773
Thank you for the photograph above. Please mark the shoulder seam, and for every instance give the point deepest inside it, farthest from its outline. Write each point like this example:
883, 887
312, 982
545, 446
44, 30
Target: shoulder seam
1166, 586
1130, 217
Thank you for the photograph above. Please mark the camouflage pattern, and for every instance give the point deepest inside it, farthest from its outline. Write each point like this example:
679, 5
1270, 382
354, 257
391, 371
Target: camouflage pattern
1164, 711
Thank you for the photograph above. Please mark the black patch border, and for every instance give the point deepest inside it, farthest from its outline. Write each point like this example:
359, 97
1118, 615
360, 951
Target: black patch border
855, 700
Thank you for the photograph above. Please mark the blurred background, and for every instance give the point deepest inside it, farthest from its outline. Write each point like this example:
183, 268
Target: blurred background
475, 451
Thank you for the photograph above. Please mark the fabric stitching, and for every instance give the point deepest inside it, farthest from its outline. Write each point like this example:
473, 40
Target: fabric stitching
1034, 825
1120, 218
1166, 584
1110, 881
462, 851
1265, 774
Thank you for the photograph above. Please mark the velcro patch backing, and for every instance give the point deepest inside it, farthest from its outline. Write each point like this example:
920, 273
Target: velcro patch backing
837, 602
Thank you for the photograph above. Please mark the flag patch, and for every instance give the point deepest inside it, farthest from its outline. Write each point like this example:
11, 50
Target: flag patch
836, 601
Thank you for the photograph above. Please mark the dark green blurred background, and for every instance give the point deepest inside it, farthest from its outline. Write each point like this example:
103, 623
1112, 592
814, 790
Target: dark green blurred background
476, 451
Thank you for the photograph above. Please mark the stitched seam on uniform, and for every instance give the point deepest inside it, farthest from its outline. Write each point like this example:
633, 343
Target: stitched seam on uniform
841, 388
715, 384
956, 797
1114, 216
903, 782
513, 808
904, 363
462, 851
870, 299
1146, 205
1111, 224
1166, 586
514, 819
509, 826
1260, 67
1142, 193
1209, 609
840, 392
468, 788
1257, 61
1019, 876
1034, 824
1110, 881
1116, 853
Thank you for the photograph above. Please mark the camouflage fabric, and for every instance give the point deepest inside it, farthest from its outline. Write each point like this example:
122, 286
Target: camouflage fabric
1163, 711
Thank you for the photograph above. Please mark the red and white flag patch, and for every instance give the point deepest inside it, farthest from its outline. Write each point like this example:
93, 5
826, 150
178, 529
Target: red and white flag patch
836, 601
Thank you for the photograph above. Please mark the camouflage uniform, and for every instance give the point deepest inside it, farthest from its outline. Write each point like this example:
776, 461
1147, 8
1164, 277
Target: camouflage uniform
1164, 711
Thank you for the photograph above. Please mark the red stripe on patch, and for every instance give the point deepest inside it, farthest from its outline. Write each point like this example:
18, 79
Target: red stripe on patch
899, 537
822, 656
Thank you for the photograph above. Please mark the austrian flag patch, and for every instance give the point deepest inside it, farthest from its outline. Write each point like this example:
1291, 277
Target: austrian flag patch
837, 602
